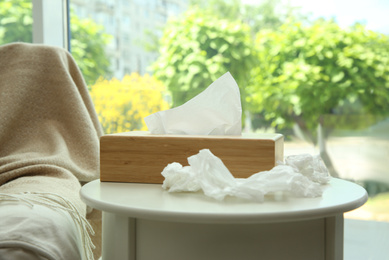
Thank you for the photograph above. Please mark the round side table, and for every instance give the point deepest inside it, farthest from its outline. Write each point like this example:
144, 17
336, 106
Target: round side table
145, 222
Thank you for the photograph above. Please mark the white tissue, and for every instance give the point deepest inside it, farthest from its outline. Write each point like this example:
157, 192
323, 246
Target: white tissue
309, 166
300, 176
215, 111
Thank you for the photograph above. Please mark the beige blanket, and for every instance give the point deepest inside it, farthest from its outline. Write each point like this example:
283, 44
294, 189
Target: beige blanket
49, 130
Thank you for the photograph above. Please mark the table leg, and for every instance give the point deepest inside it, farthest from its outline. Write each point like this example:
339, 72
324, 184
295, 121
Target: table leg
118, 237
334, 237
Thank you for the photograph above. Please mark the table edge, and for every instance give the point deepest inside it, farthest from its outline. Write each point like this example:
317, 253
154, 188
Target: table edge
215, 218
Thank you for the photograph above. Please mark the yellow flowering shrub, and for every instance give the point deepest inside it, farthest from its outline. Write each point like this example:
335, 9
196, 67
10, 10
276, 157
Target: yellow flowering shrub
122, 105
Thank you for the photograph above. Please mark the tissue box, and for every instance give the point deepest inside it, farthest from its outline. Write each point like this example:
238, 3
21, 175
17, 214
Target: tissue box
140, 156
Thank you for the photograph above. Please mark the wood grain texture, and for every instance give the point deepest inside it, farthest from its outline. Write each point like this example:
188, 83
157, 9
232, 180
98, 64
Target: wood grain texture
140, 157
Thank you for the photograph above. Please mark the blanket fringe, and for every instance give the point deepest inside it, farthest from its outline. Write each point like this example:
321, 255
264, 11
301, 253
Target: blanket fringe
56, 202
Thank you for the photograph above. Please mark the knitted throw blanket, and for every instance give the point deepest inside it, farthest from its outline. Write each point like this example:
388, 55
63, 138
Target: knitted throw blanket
49, 130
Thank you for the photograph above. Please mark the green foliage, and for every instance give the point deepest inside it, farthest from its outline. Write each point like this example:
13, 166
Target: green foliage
306, 71
88, 39
15, 21
88, 42
197, 48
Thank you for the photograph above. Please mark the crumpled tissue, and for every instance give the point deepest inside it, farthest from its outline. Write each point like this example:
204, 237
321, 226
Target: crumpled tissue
215, 111
299, 176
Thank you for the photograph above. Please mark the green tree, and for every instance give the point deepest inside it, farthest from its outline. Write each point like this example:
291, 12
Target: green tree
197, 48
306, 72
88, 39
15, 21
263, 14
88, 42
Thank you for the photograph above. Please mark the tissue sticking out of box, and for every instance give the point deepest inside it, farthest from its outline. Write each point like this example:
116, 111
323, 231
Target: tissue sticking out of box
300, 176
215, 111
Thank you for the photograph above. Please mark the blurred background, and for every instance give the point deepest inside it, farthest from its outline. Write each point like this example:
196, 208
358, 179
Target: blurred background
315, 71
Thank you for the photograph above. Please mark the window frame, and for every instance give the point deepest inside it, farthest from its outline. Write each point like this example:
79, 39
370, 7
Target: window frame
51, 23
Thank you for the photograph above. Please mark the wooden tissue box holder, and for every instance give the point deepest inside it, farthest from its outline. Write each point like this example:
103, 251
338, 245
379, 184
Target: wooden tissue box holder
140, 156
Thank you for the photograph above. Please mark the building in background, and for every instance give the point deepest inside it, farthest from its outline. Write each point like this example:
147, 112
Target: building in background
134, 24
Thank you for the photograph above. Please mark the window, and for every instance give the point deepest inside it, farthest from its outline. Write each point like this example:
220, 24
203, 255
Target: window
354, 141
343, 143
17, 16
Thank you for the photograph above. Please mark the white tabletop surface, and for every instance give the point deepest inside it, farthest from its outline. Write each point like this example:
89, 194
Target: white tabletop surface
152, 202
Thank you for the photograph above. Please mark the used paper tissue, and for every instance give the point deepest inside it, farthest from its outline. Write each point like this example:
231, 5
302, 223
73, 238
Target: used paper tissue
300, 175
211, 120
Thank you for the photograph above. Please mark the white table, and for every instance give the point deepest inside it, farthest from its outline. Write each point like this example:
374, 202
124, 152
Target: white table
145, 222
